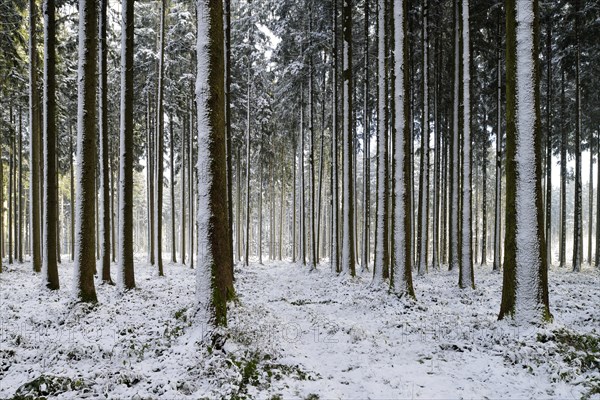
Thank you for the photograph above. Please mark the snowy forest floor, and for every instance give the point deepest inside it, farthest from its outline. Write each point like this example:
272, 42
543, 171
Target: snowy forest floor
295, 334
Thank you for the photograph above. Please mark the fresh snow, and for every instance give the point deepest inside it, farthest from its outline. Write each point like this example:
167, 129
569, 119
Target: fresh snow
293, 333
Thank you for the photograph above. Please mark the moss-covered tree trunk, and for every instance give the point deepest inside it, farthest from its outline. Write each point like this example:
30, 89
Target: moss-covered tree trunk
49, 262
34, 142
402, 256
126, 277
213, 232
525, 281
85, 233
104, 213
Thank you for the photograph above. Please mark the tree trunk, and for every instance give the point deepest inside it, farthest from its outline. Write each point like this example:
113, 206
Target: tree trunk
525, 284
49, 263
158, 185
453, 261
34, 142
563, 178
214, 241
247, 248
466, 278
85, 237
183, 197
549, 144
172, 187
335, 242
227, 44
402, 258
423, 234
367, 152
577, 229
103, 132
348, 253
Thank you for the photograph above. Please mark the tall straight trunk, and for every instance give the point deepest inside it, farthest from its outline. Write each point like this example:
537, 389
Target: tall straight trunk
321, 238
113, 223
1, 212
591, 200
484, 197
183, 197
228, 132
577, 229
172, 187
260, 207
302, 231
103, 132
191, 184
247, 247
549, 143
335, 241
72, 191
50, 197
597, 254
466, 278
381, 262
158, 186
282, 205
294, 197
11, 153
402, 258
214, 255
498, 197
20, 198
423, 231
85, 237
436, 160
238, 217
367, 152
150, 150
34, 142
453, 261
563, 177
311, 129
525, 279
348, 253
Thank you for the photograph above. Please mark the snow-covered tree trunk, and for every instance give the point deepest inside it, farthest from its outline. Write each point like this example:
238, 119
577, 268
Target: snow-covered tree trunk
423, 231
20, 185
248, 131
549, 144
85, 234
172, 188
301, 188
126, 276
366, 256
577, 228
183, 169
465, 278
498, 191
34, 143
159, 167
50, 197
381, 239
597, 254
525, 284
454, 255
402, 259
213, 238
227, 44
348, 253
104, 238
563, 178
335, 242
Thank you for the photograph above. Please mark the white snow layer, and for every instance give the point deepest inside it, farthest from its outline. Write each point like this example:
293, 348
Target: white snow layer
306, 333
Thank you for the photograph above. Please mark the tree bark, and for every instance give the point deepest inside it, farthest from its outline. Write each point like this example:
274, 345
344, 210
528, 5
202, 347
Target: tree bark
158, 186
85, 235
